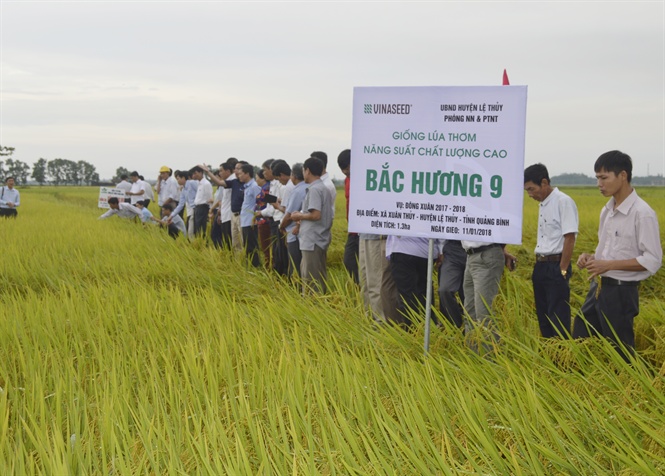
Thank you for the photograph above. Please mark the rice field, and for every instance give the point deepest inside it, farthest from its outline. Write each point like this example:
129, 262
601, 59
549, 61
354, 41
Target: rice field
125, 352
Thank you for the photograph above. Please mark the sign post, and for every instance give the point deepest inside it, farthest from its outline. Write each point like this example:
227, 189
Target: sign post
439, 162
106, 192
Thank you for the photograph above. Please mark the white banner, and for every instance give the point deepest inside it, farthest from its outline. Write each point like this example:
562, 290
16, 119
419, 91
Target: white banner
439, 162
105, 193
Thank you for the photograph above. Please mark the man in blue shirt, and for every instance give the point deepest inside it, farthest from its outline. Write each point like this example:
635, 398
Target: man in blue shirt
249, 231
187, 196
9, 199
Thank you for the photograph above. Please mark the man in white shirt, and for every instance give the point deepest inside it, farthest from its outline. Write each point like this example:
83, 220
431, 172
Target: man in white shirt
281, 173
138, 190
166, 187
149, 194
558, 224
123, 210
629, 251
125, 186
202, 201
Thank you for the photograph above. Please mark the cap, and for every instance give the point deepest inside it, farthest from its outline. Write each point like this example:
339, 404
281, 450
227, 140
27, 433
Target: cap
164, 169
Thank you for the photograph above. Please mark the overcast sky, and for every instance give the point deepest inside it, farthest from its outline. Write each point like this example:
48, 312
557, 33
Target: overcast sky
146, 84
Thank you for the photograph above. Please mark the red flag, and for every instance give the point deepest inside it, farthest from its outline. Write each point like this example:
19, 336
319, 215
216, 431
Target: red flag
505, 78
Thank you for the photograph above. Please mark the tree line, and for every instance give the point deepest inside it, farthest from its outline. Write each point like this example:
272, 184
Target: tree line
54, 172
582, 179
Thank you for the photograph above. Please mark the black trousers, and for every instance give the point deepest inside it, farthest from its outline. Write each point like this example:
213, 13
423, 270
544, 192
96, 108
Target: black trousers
225, 229
250, 237
410, 276
610, 313
201, 219
551, 292
295, 257
280, 255
173, 231
8, 212
216, 231
351, 249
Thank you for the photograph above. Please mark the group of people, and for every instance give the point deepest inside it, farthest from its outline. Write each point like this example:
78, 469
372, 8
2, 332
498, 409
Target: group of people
279, 214
282, 215
629, 251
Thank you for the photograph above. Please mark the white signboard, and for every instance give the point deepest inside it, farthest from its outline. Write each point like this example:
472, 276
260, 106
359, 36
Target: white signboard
105, 193
439, 162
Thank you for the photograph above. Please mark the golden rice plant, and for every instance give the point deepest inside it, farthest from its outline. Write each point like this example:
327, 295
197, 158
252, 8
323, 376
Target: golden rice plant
126, 352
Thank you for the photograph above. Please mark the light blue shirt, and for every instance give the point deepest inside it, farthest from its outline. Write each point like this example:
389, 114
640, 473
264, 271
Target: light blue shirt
179, 223
252, 189
9, 195
145, 215
187, 196
294, 204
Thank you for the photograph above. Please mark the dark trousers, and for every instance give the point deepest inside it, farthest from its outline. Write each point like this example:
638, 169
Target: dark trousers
251, 239
351, 256
8, 212
225, 229
451, 282
216, 231
173, 231
551, 291
410, 276
264, 242
280, 256
610, 313
295, 257
201, 219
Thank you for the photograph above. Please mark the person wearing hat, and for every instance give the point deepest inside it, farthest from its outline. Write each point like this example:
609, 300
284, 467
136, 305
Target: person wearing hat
166, 187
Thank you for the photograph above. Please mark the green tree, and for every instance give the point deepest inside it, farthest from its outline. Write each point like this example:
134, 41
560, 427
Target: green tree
71, 172
120, 171
56, 171
5, 152
86, 172
18, 169
39, 171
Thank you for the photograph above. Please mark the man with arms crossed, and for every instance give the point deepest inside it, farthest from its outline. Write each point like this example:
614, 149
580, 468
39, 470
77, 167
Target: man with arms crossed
558, 224
628, 251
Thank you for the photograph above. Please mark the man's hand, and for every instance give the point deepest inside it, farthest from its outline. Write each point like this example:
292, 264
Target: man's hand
597, 267
584, 260
509, 260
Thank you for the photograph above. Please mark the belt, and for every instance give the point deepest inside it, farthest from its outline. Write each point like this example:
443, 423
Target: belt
617, 282
548, 258
480, 249
235, 214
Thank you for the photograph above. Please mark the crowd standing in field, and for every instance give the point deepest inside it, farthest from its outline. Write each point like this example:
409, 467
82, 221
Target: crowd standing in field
282, 215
